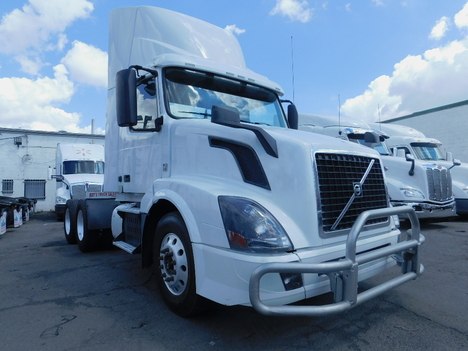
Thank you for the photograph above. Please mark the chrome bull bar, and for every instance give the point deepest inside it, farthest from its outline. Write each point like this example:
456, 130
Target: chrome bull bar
343, 274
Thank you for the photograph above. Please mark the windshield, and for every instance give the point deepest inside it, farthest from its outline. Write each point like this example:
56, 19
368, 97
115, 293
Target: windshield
83, 167
191, 94
427, 151
381, 147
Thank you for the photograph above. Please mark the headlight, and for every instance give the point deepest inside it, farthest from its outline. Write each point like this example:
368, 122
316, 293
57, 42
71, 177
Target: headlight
250, 227
60, 200
412, 193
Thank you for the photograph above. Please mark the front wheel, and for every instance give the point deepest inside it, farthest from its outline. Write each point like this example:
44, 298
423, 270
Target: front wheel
174, 266
87, 239
69, 221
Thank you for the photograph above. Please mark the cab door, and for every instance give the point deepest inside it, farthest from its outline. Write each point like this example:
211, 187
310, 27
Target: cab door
140, 145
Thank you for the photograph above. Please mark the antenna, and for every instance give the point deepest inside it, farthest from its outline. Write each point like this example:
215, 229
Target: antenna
380, 123
339, 115
292, 65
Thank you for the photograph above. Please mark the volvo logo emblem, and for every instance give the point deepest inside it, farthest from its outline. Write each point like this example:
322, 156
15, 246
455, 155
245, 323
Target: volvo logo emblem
357, 189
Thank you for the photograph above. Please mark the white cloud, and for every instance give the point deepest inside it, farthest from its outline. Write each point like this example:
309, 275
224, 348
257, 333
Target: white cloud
461, 18
35, 104
440, 28
28, 31
378, 2
436, 78
232, 28
30, 66
295, 10
87, 64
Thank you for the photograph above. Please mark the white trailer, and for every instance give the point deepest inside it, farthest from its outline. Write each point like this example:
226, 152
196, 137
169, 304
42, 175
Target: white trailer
79, 171
218, 190
406, 140
424, 186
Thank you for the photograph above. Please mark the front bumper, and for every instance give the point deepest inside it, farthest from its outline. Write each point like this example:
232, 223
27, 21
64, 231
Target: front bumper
60, 209
428, 210
343, 274
462, 207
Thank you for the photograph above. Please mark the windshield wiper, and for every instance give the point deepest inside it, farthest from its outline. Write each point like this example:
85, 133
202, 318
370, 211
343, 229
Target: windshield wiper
197, 113
259, 123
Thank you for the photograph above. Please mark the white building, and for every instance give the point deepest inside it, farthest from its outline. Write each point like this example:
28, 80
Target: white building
448, 124
27, 161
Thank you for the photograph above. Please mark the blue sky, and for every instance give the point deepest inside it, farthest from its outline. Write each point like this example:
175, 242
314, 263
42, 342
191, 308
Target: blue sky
365, 58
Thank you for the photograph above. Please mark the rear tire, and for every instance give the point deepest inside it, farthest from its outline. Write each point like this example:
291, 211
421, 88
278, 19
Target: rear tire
87, 239
174, 267
69, 222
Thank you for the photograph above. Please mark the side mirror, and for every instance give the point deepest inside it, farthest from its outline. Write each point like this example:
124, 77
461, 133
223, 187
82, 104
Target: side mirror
225, 115
371, 139
410, 158
400, 153
448, 156
125, 92
456, 162
293, 117
57, 177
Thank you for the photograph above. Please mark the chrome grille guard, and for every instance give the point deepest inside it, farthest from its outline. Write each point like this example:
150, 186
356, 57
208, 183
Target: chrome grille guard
343, 274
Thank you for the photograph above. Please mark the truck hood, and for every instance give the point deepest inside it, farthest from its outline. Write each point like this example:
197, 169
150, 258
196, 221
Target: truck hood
316, 141
83, 178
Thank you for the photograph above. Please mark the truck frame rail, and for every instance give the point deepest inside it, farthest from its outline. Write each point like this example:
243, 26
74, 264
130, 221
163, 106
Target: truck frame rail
343, 274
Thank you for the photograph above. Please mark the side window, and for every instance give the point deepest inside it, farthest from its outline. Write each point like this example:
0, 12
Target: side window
146, 105
35, 189
7, 186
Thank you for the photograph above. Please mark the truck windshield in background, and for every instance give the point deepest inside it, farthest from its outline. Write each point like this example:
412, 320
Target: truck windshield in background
427, 151
191, 94
381, 148
83, 167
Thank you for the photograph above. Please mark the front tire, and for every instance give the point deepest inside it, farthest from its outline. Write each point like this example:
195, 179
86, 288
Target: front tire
87, 239
174, 266
69, 221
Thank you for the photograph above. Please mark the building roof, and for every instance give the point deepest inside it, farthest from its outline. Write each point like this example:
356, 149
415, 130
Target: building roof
424, 112
59, 133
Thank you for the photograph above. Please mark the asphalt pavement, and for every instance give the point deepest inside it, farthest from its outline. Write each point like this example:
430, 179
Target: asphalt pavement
53, 297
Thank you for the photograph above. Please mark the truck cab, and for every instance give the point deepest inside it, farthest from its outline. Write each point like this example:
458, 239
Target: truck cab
219, 192
79, 170
424, 186
409, 141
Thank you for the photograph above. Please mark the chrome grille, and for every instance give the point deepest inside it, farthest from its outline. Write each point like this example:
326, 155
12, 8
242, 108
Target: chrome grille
439, 182
337, 176
79, 191
94, 188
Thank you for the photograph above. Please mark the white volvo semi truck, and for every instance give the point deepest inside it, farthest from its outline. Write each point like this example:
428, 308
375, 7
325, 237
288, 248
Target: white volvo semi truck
219, 192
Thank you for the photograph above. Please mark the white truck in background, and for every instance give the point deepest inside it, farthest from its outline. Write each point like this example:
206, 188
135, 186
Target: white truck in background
424, 186
218, 190
79, 170
406, 140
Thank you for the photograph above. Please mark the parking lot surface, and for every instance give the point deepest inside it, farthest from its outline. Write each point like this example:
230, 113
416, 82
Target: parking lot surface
53, 297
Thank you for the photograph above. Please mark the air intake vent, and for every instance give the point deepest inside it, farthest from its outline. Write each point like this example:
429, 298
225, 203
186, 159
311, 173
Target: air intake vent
247, 160
349, 185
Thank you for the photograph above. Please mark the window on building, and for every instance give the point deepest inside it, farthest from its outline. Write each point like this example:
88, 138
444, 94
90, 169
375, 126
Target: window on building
7, 186
35, 189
